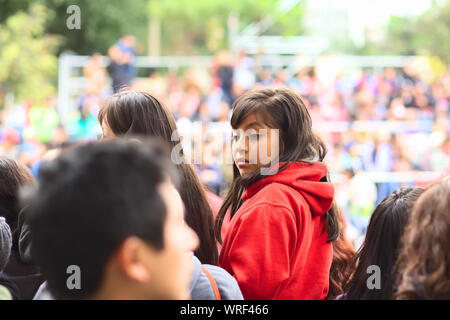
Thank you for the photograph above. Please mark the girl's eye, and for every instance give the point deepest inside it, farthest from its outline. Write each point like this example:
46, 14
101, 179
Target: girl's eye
235, 138
254, 137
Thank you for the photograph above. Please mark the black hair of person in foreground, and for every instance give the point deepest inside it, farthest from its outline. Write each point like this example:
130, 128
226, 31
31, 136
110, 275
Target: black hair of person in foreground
110, 211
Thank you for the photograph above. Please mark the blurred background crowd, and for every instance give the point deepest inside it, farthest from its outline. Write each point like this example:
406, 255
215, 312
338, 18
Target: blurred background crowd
385, 126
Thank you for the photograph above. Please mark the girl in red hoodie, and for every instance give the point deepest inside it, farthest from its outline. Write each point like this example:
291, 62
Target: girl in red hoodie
278, 243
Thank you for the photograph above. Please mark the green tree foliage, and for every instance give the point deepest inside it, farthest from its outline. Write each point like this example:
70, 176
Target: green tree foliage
188, 26
200, 26
426, 34
28, 63
102, 21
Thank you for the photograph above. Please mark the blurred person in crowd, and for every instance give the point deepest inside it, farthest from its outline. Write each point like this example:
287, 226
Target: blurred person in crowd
23, 275
43, 119
424, 260
83, 124
367, 82
264, 78
223, 112
192, 95
5, 243
293, 205
333, 108
381, 246
14, 175
223, 69
396, 110
140, 113
393, 80
89, 103
174, 93
208, 170
301, 82
244, 75
8, 289
214, 99
16, 117
362, 196
281, 78
439, 159
343, 202
203, 113
135, 246
31, 150
95, 74
154, 84
122, 69
364, 105
9, 143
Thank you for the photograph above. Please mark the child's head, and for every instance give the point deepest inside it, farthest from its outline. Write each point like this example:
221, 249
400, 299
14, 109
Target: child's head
108, 213
381, 244
272, 124
424, 262
136, 113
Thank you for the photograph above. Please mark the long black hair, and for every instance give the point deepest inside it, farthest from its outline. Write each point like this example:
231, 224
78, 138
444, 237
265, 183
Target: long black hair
139, 113
381, 245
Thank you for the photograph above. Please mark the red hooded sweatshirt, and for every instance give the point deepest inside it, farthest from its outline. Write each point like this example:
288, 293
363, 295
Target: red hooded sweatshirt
276, 244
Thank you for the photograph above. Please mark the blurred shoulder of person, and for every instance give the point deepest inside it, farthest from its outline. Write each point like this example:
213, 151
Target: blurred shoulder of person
19, 269
211, 282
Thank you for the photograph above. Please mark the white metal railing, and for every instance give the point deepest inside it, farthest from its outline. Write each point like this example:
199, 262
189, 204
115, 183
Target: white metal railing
70, 84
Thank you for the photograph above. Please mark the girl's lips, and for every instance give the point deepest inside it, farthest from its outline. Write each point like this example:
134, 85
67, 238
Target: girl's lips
242, 163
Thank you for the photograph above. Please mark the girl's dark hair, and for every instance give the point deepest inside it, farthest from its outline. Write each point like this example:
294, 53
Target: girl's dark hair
13, 176
282, 109
381, 245
343, 254
139, 113
424, 260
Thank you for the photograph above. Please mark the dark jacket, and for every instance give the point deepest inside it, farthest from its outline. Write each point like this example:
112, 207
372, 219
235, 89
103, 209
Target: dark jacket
20, 270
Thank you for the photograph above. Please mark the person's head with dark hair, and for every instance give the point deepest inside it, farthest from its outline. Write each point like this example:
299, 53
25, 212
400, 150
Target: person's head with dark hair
13, 176
131, 113
381, 246
281, 109
424, 261
109, 213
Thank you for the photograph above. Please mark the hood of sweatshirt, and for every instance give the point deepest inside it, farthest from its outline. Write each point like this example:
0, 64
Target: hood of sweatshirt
304, 178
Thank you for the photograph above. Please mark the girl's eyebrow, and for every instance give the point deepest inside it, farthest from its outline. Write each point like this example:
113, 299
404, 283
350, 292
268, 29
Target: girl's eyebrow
254, 123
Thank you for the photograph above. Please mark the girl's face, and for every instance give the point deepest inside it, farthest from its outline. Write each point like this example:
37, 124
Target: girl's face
255, 144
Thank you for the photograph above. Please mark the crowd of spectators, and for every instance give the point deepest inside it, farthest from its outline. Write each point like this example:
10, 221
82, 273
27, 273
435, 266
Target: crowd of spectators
373, 120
